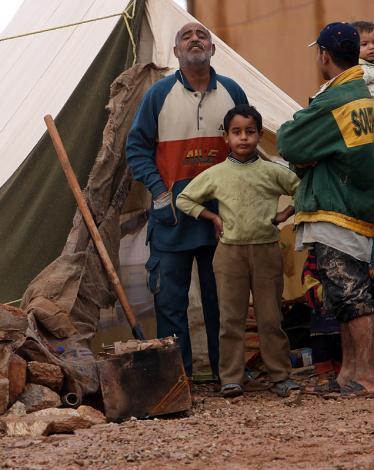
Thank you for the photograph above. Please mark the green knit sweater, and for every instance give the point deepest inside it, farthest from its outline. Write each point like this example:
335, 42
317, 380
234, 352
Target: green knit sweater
247, 197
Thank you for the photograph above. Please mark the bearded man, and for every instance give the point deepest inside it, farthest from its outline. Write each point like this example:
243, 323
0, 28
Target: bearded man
176, 134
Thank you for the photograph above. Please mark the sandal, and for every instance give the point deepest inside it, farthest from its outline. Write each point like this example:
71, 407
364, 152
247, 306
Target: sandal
324, 387
284, 388
354, 389
351, 390
231, 390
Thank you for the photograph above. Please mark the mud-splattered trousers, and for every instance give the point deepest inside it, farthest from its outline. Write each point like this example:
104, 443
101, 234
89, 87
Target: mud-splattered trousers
348, 290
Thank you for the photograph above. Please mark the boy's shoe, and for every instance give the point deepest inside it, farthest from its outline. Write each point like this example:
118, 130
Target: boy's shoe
231, 390
284, 388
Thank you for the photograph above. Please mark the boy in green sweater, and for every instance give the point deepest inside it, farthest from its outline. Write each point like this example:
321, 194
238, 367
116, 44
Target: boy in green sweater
248, 256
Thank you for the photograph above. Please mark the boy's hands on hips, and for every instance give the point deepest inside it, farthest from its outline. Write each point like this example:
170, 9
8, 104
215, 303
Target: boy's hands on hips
216, 219
218, 226
283, 215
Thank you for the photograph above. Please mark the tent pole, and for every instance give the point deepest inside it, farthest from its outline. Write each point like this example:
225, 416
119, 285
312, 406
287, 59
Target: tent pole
96, 237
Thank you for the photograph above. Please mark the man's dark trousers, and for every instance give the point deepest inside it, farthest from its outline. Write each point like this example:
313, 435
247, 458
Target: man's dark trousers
169, 278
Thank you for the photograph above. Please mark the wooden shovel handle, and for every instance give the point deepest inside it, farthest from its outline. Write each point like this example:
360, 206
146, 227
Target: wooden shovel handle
87, 216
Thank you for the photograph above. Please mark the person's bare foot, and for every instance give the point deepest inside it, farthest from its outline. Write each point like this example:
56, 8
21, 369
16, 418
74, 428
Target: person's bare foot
348, 368
343, 380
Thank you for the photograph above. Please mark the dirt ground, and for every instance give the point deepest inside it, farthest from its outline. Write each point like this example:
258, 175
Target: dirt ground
257, 431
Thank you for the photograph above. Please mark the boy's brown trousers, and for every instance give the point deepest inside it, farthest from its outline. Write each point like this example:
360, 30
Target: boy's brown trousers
240, 269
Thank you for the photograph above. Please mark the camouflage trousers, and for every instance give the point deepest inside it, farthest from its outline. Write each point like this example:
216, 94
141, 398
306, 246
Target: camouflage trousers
347, 288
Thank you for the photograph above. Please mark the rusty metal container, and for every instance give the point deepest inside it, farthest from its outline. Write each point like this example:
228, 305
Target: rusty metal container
144, 383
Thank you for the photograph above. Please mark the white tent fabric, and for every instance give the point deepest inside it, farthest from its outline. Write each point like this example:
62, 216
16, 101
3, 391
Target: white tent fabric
33, 84
39, 73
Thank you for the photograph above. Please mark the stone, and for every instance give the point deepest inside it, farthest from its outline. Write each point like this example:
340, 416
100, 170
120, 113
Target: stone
12, 318
42, 373
16, 377
25, 426
67, 420
91, 414
13, 324
37, 397
294, 399
239, 399
51, 421
18, 409
4, 394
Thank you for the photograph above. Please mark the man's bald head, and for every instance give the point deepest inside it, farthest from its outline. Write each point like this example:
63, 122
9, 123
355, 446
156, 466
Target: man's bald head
189, 28
193, 46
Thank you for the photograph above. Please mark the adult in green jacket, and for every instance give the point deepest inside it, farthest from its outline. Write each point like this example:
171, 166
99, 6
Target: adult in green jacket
331, 143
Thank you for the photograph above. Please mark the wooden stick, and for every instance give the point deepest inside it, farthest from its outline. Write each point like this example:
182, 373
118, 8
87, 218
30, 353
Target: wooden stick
91, 226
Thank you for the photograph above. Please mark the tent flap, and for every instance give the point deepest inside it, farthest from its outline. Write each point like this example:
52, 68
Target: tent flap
36, 203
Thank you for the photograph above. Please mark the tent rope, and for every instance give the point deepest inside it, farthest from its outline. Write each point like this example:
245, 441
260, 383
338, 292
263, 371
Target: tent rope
126, 15
12, 302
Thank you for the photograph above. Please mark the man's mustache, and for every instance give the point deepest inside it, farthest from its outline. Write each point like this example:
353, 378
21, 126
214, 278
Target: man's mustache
196, 44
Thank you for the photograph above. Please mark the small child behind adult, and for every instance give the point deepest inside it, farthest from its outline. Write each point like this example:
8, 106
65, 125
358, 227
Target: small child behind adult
248, 256
366, 32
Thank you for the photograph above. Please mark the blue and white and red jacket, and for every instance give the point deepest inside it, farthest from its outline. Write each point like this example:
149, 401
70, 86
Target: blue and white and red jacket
176, 134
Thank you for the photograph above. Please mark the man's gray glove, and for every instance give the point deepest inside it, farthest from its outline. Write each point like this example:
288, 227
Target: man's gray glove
164, 210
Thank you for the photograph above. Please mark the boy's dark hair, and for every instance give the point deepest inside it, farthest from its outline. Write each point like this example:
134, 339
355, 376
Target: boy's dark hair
363, 26
244, 110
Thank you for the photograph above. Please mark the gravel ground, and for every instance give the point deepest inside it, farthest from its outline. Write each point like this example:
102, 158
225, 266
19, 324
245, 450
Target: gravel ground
257, 431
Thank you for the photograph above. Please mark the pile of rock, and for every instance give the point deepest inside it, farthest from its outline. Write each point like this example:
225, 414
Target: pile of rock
13, 326
35, 384
48, 421
30, 390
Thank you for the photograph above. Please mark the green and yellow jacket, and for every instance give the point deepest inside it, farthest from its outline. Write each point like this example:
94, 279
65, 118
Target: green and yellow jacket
337, 133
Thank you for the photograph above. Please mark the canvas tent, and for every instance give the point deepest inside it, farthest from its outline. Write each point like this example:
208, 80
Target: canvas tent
67, 73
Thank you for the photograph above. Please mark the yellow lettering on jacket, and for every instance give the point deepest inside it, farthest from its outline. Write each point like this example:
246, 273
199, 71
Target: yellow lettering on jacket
356, 122
193, 153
